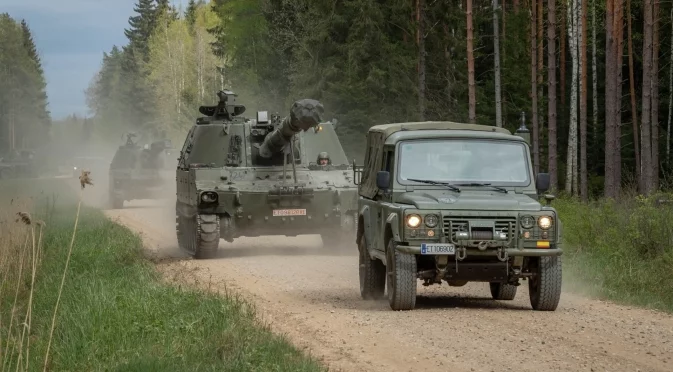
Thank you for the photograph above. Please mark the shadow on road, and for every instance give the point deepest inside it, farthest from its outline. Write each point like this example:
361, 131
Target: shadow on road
465, 302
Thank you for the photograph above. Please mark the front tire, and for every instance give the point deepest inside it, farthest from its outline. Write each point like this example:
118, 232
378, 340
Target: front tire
502, 291
544, 286
401, 278
372, 274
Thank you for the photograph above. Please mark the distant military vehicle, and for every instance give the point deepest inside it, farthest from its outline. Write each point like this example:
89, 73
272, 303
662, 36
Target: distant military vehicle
269, 176
135, 172
454, 202
18, 164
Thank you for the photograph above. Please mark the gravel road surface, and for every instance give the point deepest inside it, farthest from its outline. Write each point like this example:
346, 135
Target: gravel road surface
311, 294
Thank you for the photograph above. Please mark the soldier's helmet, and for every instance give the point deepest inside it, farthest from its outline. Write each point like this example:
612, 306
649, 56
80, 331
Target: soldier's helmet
323, 158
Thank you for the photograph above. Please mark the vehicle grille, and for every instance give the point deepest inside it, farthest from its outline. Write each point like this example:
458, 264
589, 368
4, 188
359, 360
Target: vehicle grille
460, 223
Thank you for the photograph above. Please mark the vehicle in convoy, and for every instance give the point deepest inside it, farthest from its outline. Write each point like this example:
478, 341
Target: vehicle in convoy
265, 176
444, 201
136, 172
18, 164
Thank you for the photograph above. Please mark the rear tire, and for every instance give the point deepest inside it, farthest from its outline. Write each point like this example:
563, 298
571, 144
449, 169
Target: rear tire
401, 278
544, 286
372, 274
503, 291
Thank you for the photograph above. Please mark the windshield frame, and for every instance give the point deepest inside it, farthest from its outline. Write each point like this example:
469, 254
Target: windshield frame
403, 182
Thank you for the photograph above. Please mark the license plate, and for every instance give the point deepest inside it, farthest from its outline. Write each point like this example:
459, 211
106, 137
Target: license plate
438, 248
289, 212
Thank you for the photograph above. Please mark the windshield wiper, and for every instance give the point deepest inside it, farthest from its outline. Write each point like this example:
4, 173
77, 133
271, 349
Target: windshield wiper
501, 189
430, 182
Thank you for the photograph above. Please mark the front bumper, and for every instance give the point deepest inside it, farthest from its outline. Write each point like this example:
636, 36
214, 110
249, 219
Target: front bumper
512, 252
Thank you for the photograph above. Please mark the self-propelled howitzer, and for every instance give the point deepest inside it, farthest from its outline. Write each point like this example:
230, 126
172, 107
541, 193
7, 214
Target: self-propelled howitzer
250, 177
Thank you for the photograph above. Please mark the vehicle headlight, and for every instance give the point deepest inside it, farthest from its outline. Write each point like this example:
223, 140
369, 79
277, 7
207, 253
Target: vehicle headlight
413, 220
431, 220
527, 222
209, 196
544, 222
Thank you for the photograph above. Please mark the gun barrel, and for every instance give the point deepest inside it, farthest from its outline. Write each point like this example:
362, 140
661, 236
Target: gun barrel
304, 115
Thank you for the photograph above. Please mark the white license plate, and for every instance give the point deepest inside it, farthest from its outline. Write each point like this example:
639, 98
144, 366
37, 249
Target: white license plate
438, 248
289, 212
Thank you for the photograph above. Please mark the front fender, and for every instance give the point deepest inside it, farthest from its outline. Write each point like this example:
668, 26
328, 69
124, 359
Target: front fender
393, 221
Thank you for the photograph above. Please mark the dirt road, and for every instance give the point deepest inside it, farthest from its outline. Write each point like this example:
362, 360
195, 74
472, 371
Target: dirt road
311, 294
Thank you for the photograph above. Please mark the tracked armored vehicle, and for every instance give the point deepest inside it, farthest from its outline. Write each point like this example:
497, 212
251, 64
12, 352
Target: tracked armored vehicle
136, 172
265, 176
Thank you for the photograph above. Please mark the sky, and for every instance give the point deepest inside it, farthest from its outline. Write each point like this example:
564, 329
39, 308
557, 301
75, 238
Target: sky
71, 36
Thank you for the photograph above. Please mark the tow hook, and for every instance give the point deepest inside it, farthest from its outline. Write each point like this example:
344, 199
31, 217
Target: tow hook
502, 254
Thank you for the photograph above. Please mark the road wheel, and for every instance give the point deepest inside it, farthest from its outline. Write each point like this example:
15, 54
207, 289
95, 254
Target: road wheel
401, 278
544, 286
372, 274
503, 291
207, 235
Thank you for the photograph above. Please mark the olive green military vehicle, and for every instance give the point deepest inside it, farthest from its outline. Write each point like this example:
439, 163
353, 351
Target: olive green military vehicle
454, 202
136, 172
266, 176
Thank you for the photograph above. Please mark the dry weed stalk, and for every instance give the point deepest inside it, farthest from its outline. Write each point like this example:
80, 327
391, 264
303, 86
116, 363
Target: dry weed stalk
84, 179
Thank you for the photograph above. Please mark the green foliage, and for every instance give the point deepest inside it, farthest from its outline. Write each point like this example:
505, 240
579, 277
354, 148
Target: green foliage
116, 312
24, 118
620, 250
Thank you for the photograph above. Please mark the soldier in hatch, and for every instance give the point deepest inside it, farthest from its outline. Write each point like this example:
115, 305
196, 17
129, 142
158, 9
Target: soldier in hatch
323, 159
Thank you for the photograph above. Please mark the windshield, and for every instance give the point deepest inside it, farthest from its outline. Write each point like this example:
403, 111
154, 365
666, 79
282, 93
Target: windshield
464, 161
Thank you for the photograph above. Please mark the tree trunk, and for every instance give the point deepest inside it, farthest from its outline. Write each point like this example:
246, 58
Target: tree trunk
632, 89
496, 48
533, 89
540, 70
645, 181
584, 186
551, 92
447, 62
617, 146
655, 98
670, 101
572, 127
472, 96
420, 40
610, 86
594, 73
562, 53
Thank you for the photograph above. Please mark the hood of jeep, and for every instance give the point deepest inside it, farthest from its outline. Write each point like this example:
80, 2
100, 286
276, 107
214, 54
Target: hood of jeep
470, 200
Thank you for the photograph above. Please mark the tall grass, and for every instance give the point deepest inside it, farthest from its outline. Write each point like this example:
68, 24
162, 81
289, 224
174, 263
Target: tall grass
620, 250
114, 311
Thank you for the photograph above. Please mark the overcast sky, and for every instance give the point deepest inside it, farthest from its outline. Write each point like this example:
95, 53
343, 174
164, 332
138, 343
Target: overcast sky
71, 36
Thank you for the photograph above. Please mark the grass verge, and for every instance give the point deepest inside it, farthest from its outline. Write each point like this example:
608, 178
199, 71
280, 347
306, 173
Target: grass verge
115, 312
620, 250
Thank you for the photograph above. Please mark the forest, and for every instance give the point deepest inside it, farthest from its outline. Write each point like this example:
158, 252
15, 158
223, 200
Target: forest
592, 79
24, 117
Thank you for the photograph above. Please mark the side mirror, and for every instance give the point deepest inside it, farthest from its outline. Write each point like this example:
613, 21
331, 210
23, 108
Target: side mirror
383, 180
542, 182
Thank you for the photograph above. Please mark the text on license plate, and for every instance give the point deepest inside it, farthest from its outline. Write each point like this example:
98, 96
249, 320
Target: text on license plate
289, 212
438, 248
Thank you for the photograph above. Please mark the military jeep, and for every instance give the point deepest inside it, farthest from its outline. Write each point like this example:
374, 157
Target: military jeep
454, 202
